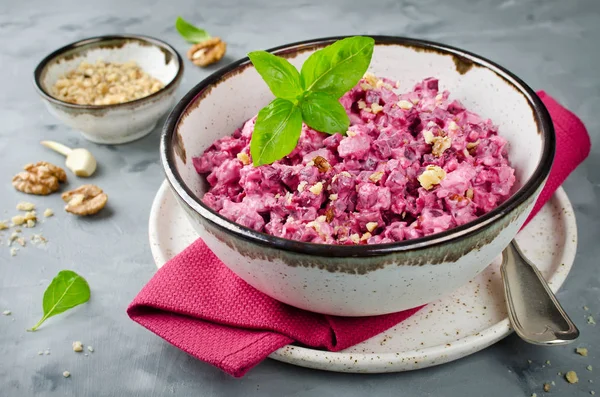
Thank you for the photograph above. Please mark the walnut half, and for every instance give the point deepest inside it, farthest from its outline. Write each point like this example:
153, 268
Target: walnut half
85, 200
207, 52
41, 178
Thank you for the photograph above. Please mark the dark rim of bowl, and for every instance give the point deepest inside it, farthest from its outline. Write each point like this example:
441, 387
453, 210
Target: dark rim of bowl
542, 117
37, 74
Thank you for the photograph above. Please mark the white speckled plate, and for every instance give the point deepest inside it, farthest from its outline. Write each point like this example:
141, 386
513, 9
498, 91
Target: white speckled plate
471, 319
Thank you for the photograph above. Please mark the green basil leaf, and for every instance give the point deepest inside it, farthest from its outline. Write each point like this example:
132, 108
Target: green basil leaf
325, 113
281, 76
67, 290
276, 132
189, 32
337, 68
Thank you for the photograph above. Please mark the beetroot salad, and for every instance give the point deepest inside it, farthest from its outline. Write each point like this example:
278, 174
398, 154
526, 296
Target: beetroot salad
410, 165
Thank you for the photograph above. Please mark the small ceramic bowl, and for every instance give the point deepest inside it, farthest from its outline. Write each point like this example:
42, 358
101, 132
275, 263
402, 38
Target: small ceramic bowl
363, 279
119, 123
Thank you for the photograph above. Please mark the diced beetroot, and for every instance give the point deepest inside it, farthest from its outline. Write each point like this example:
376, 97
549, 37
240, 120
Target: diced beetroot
371, 184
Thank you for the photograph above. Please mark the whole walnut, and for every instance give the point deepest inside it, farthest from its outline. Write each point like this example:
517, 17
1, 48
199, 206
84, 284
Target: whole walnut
41, 178
207, 52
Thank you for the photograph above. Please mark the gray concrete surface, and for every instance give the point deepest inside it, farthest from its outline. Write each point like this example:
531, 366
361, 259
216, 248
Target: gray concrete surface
553, 45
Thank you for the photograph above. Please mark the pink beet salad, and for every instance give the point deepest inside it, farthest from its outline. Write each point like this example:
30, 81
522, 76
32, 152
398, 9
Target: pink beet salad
410, 165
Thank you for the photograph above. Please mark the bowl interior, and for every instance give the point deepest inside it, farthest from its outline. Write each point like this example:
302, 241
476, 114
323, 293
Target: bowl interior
233, 98
157, 61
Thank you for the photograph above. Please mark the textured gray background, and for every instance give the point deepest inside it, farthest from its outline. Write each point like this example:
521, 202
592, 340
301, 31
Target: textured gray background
552, 45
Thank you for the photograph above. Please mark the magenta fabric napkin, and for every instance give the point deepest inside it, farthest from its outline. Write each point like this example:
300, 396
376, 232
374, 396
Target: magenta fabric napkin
197, 304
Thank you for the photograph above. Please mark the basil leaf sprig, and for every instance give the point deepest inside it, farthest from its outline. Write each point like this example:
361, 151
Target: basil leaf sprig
311, 95
67, 290
189, 32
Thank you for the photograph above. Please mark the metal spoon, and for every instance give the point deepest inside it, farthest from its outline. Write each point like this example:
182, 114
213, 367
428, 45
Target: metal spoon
533, 310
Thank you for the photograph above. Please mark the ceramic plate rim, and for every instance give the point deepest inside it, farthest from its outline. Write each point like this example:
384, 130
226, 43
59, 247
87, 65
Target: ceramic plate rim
430, 356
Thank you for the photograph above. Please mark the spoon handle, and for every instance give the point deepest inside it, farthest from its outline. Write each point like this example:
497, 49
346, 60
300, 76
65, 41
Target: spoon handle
534, 312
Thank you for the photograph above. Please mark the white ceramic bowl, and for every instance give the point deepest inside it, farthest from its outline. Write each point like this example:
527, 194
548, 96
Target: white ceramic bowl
365, 279
119, 123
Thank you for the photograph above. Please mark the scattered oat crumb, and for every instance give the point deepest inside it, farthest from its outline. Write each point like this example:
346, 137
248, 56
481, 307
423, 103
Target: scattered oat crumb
25, 206
90, 349
40, 353
48, 213
7, 312
529, 361
548, 362
3, 225
553, 384
582, 351
13, 251
47, 352
533, 394
589, 367
30, 223
21, 241
77, 346
546, 387
559, 373
85, 354
66, 374
591, 320
571, 377
592, 392
586, 308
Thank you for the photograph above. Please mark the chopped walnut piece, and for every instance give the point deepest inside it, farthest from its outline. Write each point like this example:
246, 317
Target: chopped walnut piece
469, 194
316, 189
582, 351
376, 176
207, 52
404, 104
77, 346
329, 214
571, 377
440, 144
432, 175
302, 186
355, 238
3, 225
41, 178
30, 216
371, 226
546, 387
30, 223
85, 200
376, 108
25, 206
48, 212
366, 236
18, 220
244, 158
322, 164
333, 196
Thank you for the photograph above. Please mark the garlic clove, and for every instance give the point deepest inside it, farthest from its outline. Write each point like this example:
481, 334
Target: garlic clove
81, 162
57, 147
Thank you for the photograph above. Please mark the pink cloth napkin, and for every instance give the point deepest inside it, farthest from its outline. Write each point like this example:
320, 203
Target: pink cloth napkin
197, 304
